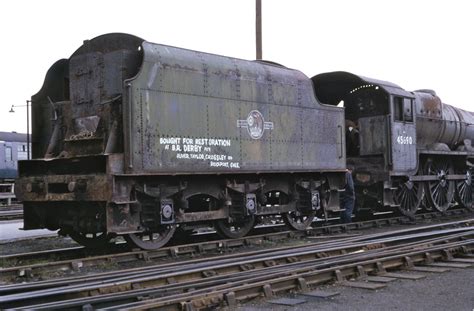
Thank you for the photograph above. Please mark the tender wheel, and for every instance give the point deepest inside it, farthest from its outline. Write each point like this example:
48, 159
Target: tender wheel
91, 240
234, 229
464, 191
297, 221
151, 240
440, 192
409, 196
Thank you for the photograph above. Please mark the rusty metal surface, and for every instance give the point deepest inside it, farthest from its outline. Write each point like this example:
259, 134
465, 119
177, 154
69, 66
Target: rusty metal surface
64, 188
371, 131
439, 123
87, 86
437, 127
402, 129
234, 115
109, 43
65, 259
122, 118
369, 107
55, 89
331, 87
282, 269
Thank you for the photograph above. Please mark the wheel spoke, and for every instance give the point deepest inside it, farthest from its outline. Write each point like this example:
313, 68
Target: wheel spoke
408, 196
439, 193
464, 190
151, 240
297, 221
234, 229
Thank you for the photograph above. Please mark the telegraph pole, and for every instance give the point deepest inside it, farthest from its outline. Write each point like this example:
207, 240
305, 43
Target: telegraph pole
258, 27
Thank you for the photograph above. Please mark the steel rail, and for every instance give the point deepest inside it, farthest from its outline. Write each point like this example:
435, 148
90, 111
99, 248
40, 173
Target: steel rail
199, 270
10, 207
10, 214
270, 284
342, 247
173, 251
126, 257
72, 252
221, 282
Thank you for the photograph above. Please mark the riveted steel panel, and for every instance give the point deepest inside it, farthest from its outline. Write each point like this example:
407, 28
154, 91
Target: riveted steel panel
373, 135
86, 82
404, 155
198, 112
441, 123
322, 128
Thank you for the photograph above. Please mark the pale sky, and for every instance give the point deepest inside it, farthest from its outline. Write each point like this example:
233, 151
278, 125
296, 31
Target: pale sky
413, 43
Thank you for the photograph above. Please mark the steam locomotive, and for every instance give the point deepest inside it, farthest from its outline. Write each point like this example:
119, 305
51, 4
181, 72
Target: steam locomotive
136, 139
411, 150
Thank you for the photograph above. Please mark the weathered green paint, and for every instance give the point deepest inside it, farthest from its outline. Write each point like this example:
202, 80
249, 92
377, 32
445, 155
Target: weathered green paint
194, 97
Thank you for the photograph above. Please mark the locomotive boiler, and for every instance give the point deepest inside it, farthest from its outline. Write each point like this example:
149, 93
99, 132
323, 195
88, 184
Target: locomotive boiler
441, 126
408, 149
136, 139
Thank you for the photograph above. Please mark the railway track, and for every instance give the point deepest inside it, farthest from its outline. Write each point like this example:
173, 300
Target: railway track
14, 206
39, 264
12, 211
228, 279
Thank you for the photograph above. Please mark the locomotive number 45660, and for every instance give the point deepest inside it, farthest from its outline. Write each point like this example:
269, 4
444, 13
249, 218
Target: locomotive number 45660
404, 140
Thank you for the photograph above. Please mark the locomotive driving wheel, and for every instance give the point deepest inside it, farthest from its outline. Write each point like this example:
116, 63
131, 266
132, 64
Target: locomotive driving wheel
408, 196
234, 228
91, 240
297, 220
151, 240
439, 192
464, 191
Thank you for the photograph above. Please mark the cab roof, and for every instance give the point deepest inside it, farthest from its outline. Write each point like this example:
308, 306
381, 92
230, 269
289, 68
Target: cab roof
330, 87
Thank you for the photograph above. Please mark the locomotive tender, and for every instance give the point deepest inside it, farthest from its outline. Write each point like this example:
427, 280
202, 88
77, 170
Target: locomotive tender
134, 138
408, 148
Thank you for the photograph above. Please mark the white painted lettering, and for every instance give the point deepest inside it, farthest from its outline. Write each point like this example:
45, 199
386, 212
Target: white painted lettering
219, 164
192, 148
200, 149
170, 141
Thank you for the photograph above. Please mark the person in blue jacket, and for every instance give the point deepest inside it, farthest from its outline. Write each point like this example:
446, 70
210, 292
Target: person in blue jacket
347, 198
